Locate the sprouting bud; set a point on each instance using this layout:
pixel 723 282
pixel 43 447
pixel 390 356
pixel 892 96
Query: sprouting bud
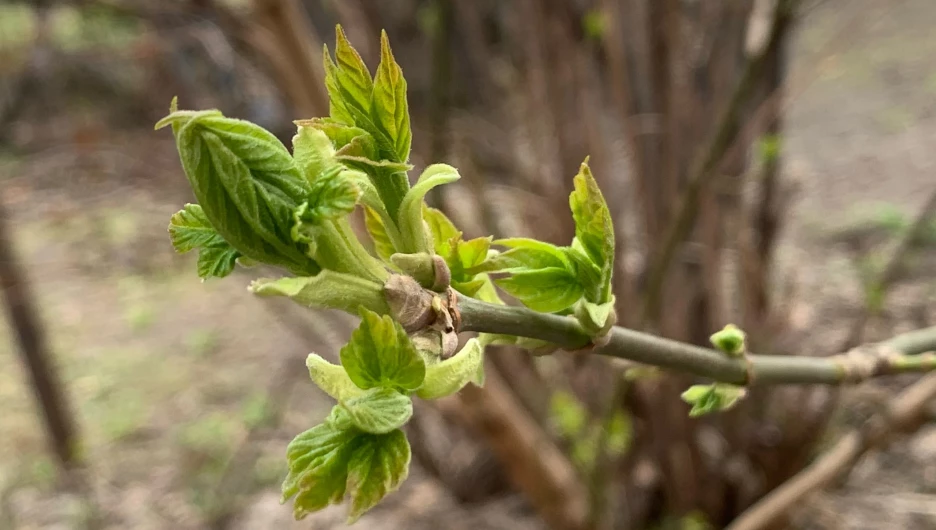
pixel 730 340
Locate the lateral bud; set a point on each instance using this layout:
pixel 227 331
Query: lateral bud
pixel 429 270
pixel 430 319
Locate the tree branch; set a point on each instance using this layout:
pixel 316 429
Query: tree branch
pixel 910 352
pixel 903 414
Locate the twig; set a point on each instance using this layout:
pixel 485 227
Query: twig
pixel 36 355
pixel 902 415
pixel 702 176
pixel 897 355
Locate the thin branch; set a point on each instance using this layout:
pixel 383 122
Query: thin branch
pixel 910 352
pixel 903 414
pixel 701 177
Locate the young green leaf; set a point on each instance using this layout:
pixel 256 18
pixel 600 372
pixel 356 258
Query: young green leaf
pixel 380 354
pixel 473 252
pixel 327 289
pixel 528 256
pixel 594 227
pixel 447 377
pixel 379 410
pixel 332 196
pixel 378 466
pixel 313 152
pixel 189 229
pixel 246 183
pixel 377 229
pixel 318 468
pixel 348 82
pixel 390 110
pixel 332 379
pixel 410 218
pixel 548 290
pixel 216 262
pixel 441 229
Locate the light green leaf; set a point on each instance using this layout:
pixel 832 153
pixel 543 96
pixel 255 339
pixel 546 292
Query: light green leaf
pixel 472 252
pixel 383 246
pixel 348 82
pixel 327 289
pixel 189 229
pixel 526 256
pixel 380 354
pixel 378 466
pixel 313 152
pixel 410 218
pixel 470 287
pixel 368 165
pixel 332 379
pixel 246 183
pixel 345 139
pixel 318 468
pixel 379 410
pixel 447 377
pixel 546 290
pixel 441 229
pixel 390 110
pixel 594 227
pixel 590 275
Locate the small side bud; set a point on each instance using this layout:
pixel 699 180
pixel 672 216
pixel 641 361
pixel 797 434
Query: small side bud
pixel 410 304
pixel 716 397
pixel 430 271
pixel 730 340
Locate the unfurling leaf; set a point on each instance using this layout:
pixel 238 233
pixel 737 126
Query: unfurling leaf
pixel 348 82
pixel 318 468
pixel 548 290
pixel 189 229
pixel 525 254
pixel 246 183
pixel 379 410
pixel 730 340
pixel 313 152
pixel 390 110
pixel 447 377
pixel 441 229
pixel 380 354
pixel 715 397
pixel 327 289
pixel 594 228
pixel 332 379
pixel 379 465
pixel 332 196
pixel 410 220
